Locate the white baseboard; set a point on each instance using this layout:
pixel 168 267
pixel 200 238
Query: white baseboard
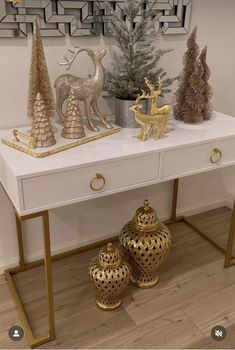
pixel 193 210
pixel 230 202
pixel 7 264
pixel 63 247
pixel 56 249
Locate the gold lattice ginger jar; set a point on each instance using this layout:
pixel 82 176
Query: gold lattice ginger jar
pixel 110 275
pixel 145 243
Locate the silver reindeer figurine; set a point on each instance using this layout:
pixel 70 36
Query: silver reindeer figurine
pixel 86 89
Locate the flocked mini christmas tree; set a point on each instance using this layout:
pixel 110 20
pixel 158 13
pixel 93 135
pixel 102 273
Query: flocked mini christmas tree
pixel 73 128
pixel 194 104
pixel 42 129
pixel 189 61
pixel 138 55
pixel 208 92
pixel 39 77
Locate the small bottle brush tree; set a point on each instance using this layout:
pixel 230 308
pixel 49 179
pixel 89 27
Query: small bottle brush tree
pixel 189 60
pixel 42 129
pixel 207 110
pixel 194 98
pixel 194 92
pixel 138 56
pixel 73 128
pixel 39 77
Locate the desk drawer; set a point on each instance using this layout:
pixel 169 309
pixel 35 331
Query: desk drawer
pixel 198 158
pixel 70 186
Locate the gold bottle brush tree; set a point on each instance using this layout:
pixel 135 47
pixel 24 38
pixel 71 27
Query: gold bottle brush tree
pixel 39 81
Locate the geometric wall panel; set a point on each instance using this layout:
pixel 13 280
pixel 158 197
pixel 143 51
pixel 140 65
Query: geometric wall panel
pixel 82 17
pixel 176 19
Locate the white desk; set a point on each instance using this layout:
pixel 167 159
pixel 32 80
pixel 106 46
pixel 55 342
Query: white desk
pixel 36 185
pixel 64 178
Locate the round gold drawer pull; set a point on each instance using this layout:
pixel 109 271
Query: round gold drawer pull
pixel 93 180
pixel 216 156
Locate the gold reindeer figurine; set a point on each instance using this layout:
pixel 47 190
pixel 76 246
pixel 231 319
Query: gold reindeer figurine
pixel 158 117
pixel 86 89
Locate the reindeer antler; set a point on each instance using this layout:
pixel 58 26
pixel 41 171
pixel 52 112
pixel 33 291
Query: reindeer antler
pixel 141 97
pixel 74 51
pixel 159 83
pixel 149 84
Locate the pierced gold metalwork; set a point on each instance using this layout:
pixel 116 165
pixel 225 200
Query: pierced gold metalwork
pixel 62 148
pixel 110 275
pixel 93 180
pixel 32 140
pixel 146 243
pixel 216 153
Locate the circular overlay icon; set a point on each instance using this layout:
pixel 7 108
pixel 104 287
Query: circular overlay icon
pixel 16 333
pixel 218 333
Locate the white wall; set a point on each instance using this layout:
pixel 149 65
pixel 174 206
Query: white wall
pixel 72 226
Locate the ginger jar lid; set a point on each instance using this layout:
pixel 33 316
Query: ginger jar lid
pixel 146 218
pixel 109 256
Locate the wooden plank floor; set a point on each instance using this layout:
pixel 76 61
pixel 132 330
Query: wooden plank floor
pixel 194 294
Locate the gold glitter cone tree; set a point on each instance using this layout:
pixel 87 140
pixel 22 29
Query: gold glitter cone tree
pixel 189 61
pixel 42 129
pixel 208 92
pixel 73 128
pixel 39 78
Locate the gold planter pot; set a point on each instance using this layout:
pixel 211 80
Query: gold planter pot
pixel 110 275
pixel 145 244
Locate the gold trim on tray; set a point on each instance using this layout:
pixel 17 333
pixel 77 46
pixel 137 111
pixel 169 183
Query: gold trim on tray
pixel 62 148
pixel 31 139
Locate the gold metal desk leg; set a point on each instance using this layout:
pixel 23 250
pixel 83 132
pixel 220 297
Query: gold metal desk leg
pixel 229 258
pixel 173 217
pixel 48 274
pixel 9 274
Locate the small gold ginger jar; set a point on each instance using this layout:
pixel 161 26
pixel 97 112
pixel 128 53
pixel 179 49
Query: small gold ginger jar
pixel 110 275
pixel 145 244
